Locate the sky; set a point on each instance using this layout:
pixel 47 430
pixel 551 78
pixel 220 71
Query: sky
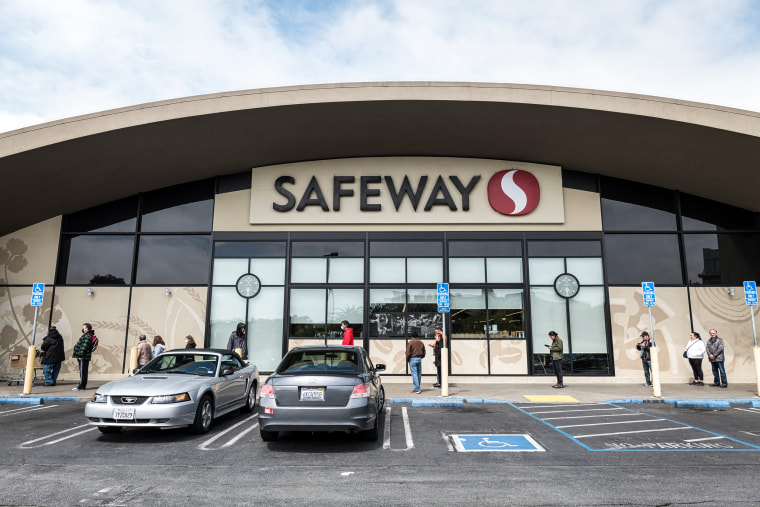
pixel 62 58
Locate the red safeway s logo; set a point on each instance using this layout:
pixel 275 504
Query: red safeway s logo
pixel 513 192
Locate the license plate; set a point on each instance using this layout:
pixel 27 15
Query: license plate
pixel 312 394
pixel 124 414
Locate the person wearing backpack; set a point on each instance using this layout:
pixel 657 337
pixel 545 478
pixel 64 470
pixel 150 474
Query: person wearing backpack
pixel 83 352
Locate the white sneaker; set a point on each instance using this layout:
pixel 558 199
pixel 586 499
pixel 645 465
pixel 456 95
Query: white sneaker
pixel 75 389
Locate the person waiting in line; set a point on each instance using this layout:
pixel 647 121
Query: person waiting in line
pixel 143 351
pixel 348 333
pixel 238 340
pixel 83 353
pixel 415 351
pixel 52 356
pixel 437 346
pixel 557 351
pixel 644 348
pixel 695 350
pixel 189 342
pixel 716 354
pixel 158 346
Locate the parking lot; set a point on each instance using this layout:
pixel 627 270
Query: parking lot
pixel 422 451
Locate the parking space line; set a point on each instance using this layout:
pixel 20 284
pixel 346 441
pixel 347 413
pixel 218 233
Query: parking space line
pixel 555 405
pixel 204 445
pixel 27 445
pixel 608 423
pixel 582 410
pixel 754 410
pixel 25 409
pixel 703 439
pixel 407 431
pixel 587 416
pixel 630 432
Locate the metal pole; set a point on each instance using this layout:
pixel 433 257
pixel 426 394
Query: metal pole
pixel 655 360
pixel 444 363
pixel 34 329
pixel 756 350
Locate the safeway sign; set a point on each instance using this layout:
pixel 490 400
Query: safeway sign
pixel 407 190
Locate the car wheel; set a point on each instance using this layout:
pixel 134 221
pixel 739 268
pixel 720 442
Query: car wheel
pixel 268 436
pixel 109 429
pixel 250 399
pixel 203 416
pixel 380 400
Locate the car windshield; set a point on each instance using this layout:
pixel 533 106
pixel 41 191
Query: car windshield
pixel 320 361
pixel 188 364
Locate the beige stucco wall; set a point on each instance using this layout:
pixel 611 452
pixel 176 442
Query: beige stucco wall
pixel 28 255
pixel 172 317
pixel 670 317
pixel 106 310
pixel 17 323
pixel 714 308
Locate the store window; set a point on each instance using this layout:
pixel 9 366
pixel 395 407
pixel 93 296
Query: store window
pixel 721 259
pixel 175 259
pixel 317 313
pixel 630 206
pixel 567 296
pixel 635 258
pixel 181 208
pixel 97 260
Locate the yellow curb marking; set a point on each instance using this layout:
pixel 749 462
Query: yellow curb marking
pixel 551 399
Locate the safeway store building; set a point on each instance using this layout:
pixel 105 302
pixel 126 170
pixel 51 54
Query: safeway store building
pixel 292 209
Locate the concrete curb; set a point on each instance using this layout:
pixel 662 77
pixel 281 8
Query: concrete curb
pixel 48 398
pixel 681 402
pixel 444 402
pixel 22 401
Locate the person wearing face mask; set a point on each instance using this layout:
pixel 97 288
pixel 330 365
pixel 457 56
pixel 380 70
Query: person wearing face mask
pixel 348 333
pixel 189 342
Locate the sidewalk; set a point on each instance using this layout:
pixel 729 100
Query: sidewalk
pixel 400 389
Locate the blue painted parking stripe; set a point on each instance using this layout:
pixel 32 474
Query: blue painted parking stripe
pixel 752 448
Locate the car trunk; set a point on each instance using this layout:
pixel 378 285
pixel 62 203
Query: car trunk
pixel 317 390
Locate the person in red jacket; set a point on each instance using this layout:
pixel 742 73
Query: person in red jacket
pixel 348 333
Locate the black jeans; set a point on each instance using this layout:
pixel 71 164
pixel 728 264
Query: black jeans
pixel 557 363
pixel 696 367
pixel 84 365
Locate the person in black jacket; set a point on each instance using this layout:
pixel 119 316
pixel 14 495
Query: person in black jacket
pixel 644 348
pixel 437 346
pixel 52 356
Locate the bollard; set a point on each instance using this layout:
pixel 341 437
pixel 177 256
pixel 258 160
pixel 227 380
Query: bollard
pixel 444 371
pixel 29 377
pixel 655 355
pixel 133 361
pixel 757 368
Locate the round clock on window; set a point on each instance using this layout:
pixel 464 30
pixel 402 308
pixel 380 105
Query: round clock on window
pixel 248 285
pixel 566 285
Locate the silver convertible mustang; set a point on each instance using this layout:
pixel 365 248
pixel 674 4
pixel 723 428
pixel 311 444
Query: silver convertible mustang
pixel 322 388
pixel 187 387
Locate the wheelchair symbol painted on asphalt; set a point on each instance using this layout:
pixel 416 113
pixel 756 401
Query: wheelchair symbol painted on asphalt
pixel 495 443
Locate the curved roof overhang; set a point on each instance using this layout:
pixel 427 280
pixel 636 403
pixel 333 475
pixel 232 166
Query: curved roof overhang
pixel 71 164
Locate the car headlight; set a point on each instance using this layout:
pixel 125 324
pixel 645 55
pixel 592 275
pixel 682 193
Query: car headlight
pixel 99 398
pixel 171 398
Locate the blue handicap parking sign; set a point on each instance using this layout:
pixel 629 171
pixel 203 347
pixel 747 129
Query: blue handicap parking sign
pixel 750 293
pixel 38 292
pixel 649 297
pixel 495 443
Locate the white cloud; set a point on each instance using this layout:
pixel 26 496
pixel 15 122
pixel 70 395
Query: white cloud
pixel 60 59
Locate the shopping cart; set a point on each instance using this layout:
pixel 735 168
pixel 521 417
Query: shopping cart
pixel 18 361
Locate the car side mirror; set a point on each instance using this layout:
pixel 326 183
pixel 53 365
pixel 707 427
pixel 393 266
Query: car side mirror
pixel 226 373
pixel 379 367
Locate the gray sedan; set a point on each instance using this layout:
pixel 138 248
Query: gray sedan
pixel 178 388
pixel 323 388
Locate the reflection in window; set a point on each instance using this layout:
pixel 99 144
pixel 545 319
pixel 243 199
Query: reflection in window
pixel 179 260
pixel 99 260
pixel 635 258
pixel 468 313
pixel 505 313
pixel 307 313
pixel 700 214
pixel 345 304
pixel 589 335
pixel 227 309
pixel 721 259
